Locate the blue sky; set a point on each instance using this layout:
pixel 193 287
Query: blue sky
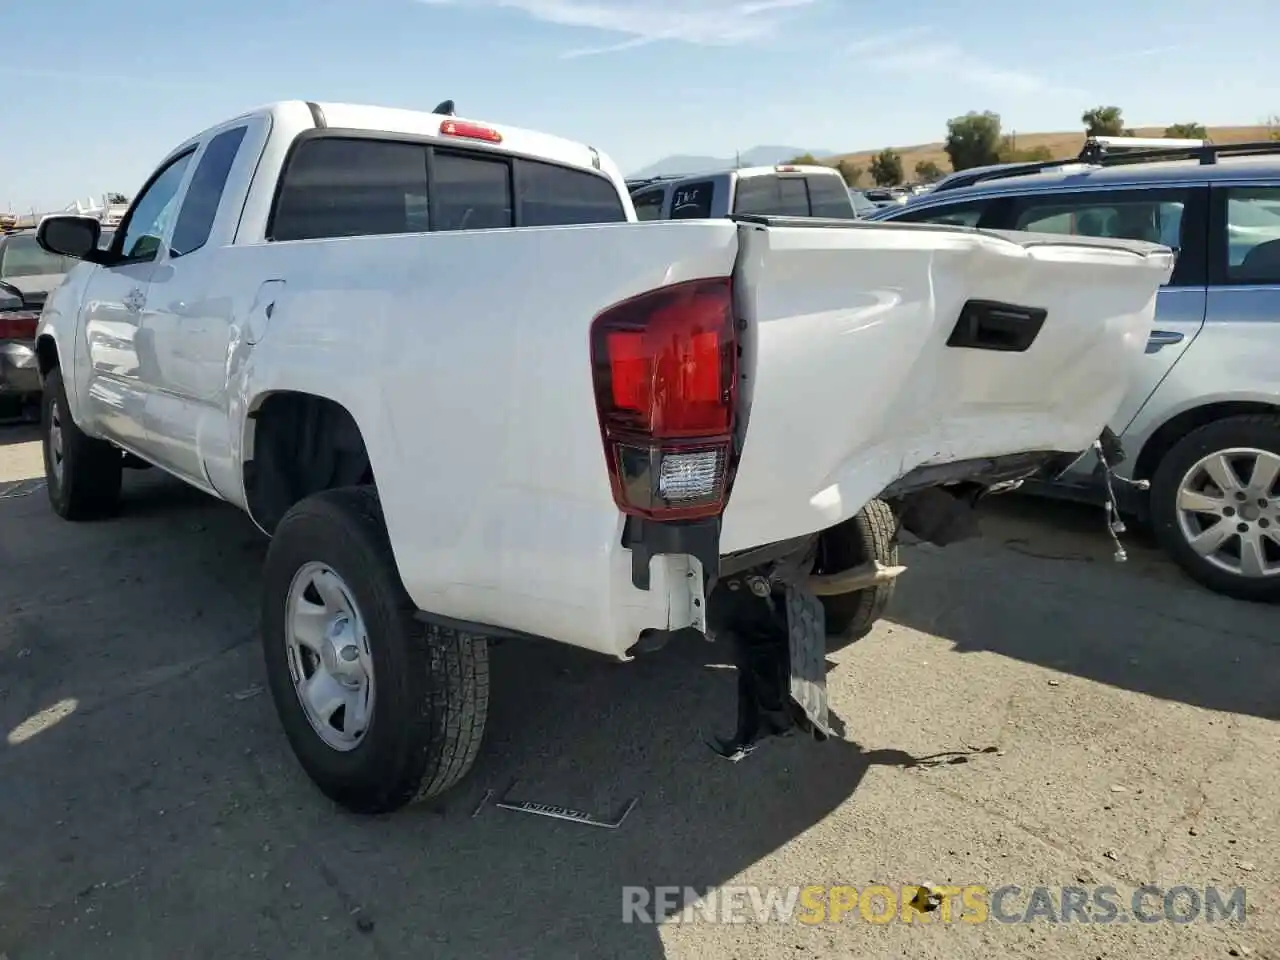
pixel 96 92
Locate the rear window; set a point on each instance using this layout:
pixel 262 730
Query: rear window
pixel 648 205
pixel 551 195
pixel 336 187
pixel 829 197
pixel 349 188
pixel 772 196
pixel 21 256
pixel 470 192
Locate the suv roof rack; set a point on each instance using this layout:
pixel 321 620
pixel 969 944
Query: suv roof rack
pixel 1098 151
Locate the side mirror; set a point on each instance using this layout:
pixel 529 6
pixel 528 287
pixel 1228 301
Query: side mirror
pixel 10 297
pixel 70 236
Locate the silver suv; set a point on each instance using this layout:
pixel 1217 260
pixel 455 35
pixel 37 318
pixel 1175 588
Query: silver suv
pixel 1201 427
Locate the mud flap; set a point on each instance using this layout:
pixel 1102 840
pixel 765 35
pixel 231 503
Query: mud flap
pixel 807 640
pixel 780 644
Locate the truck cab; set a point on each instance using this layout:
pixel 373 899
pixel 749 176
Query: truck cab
pixel 785 190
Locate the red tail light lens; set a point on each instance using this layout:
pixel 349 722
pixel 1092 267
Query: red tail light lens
pixel 18 326
pixel 665 366
pixel 471 131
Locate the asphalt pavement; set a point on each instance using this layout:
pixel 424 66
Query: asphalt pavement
pixel 1031 713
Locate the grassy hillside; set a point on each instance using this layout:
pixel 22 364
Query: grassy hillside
pixel 1059 144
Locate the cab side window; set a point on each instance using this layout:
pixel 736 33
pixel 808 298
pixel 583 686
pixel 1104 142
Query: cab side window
pixel 692 201
pixel 153 211
pixel 200 207
pixel 966 214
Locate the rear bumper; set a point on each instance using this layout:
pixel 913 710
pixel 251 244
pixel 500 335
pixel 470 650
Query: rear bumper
pixel 19 371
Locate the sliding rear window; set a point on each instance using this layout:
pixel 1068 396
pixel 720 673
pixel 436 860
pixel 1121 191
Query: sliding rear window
pixel 335 186
pixel 780 195
pixel 770 195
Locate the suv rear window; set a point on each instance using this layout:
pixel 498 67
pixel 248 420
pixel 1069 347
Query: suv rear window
pixel 21 256
pixel 345 187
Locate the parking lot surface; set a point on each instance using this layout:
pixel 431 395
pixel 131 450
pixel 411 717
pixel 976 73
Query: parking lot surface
pixel 1030 713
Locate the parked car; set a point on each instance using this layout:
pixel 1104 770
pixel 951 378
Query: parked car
pixel 28 274
pixel 467 396
pixel 862 207
pixel 786 190
pixel 887 196
pixel 1201 423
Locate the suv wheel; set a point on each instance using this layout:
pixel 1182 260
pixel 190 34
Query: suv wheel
pixel 1215 506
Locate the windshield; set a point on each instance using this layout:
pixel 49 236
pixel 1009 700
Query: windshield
pixel 20 256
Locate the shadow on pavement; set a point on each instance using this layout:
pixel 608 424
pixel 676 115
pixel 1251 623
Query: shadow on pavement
pixel 152 809
pixel 17 431
pixel 1096 621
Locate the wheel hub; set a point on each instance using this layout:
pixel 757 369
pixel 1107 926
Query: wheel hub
pixel 329 658
pixel 56 453
pixel 1228 510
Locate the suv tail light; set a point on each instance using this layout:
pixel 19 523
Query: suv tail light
pixel 665 366
pixel 18 325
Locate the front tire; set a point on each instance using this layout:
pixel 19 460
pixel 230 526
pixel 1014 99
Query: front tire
pixel 380 709
pixel 82 474
pixel 871 534
pixel 1215 506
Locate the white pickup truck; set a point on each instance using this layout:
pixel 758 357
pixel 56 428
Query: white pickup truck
pixel 468 396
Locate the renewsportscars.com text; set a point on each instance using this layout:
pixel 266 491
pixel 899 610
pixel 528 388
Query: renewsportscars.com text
pixel 968 904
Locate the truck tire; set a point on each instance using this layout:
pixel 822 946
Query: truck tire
pixel 871 534
pixel 1249 512
pixel 82 474
pixel 331 578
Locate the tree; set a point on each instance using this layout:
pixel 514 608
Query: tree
pixel 886 169
pixel 1186 131
pixel 117 198
pixel 851 172
pixel 805 159
pixel 928 171
pixel 1104 122
pixel 1010 152
pixel 973 140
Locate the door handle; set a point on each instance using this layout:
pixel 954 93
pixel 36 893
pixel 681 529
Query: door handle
pixel 1163 338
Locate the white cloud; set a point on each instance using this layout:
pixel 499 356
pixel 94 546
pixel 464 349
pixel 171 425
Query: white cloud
pixel 640 22
pixel 950 61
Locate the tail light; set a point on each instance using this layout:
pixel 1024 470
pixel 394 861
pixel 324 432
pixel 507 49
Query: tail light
pixel 18 325
pixel 665 366
pixel 469 130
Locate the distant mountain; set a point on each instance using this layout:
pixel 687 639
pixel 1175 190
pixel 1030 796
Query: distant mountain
pixel 765 156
